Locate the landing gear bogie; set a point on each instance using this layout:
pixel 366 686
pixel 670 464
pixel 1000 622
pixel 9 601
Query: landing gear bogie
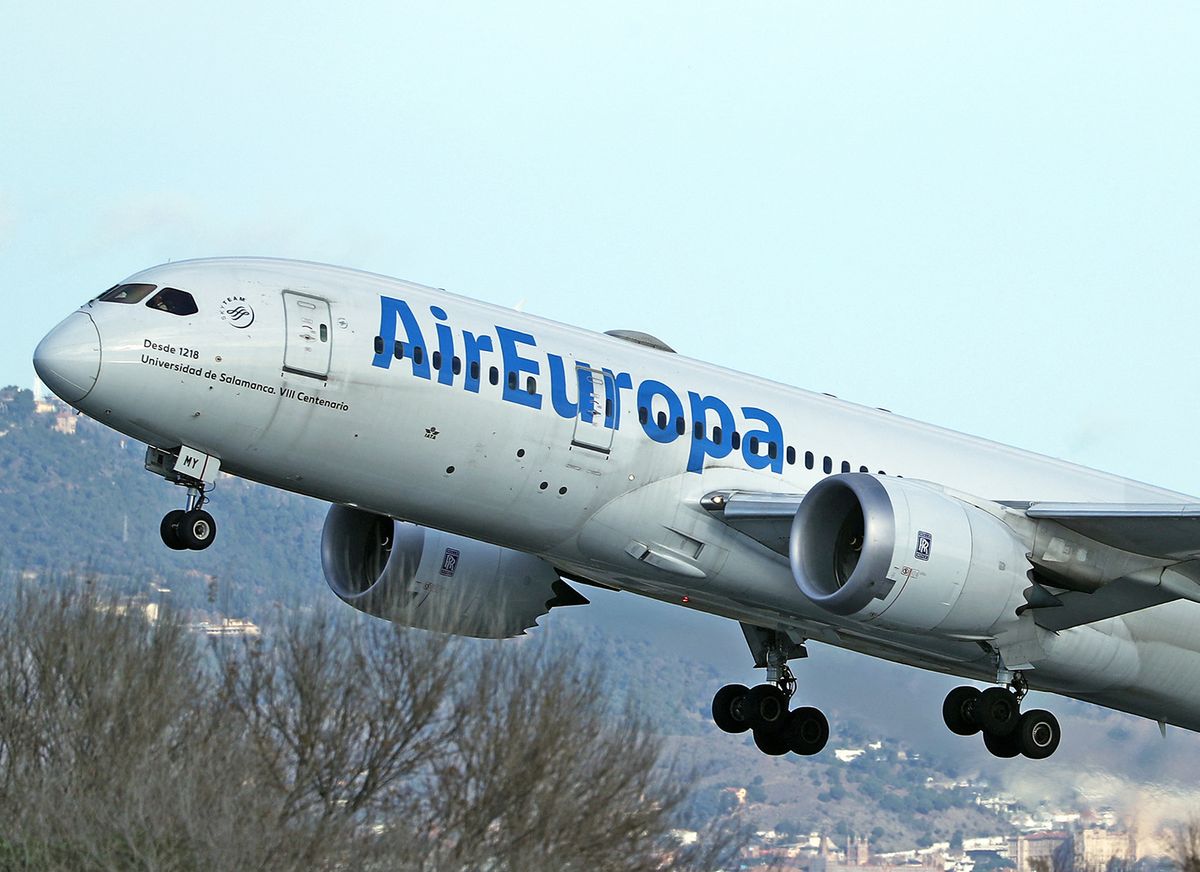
pixel 996 713
pixel 765 708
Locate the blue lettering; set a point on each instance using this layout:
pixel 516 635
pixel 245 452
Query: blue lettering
pixel 646 393
pixel 472 345
pixel 614 383
pixel 391 309
pixel 763 439
pixel 558 388
pixel 706 445
pixel 515 364
pixel 445 347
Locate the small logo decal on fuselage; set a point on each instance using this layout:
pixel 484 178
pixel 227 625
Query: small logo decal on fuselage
pixel 449 562
pixel 924 545
pixel 237 312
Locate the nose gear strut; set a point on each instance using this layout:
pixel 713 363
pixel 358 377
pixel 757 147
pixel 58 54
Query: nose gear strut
pixel 190 528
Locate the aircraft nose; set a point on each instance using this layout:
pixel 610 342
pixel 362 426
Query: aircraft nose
pixel 67 360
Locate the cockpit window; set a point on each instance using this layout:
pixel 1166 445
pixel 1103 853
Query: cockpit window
pixel 173 300
pixel 134 293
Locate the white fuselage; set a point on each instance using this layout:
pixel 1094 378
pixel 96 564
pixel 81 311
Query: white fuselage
pixel 325 408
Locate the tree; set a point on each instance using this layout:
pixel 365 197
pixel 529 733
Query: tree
pixel 339 742
pixel 1185 846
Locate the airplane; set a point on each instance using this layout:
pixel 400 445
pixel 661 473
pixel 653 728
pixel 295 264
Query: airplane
pixel 482 464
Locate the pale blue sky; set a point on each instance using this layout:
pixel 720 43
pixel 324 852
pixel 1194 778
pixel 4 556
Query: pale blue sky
pixel 986 216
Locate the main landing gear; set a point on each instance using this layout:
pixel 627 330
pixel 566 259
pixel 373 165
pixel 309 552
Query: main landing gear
pixel 996 712
pixel 764 708
pixel 190 528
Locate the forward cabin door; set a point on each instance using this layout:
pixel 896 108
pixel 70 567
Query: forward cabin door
pixel 597 391
pixel 309 335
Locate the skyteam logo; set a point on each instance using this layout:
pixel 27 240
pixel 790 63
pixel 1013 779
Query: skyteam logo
pixel 237 312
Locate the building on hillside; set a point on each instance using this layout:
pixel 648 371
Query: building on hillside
pixel 1096 846
pixel 65 422
pixel 858 851
pixel 1036 852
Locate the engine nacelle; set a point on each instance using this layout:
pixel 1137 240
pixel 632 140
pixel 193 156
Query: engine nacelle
pixel 437 581
pixel 905 555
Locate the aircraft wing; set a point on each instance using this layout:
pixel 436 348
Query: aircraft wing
pixel 1168 534
pixel 1170 531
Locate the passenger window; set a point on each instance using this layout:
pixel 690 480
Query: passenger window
pixel 418 354
pixel 174 301
pixel 324 332
pixel 698 429
pixel 791 456
pixel 379 345
pixel 809 460
pixel 662 420
pixel 863 469
pixel 608 409
pixel 512 381
pixel 827 464
pixel 845 466
pixel 494 376
pixel 772 450
pixel 436 360
pixel 456 365
pixel 475 370
pixel 133 293
pixel 736 440
pixel 680 427
pixel 531 385
pixel 643 414
pixel 398 350
pixel 754 445
pixel 717 434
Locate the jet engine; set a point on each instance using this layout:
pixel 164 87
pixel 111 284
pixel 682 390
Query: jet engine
pixel 437 581
pixel 905 555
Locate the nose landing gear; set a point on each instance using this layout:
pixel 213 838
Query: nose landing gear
pixel 190 528
pixel 996 712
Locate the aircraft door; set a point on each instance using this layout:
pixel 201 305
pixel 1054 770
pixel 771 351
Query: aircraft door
pixel 309 339
pixel 597 391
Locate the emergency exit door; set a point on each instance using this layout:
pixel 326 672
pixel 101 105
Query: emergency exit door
pixel 309 338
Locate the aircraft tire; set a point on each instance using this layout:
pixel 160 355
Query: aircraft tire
pixel 169 530
pixel 197 529
pixel 772 742
pixel 1002 746
pixel 960 711
pixel 806 731
pixel 1038 734
pixel 727 708
pixel 999 711
pixel 765 708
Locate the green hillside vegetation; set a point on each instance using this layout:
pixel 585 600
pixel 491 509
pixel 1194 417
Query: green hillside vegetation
pixel 83 502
